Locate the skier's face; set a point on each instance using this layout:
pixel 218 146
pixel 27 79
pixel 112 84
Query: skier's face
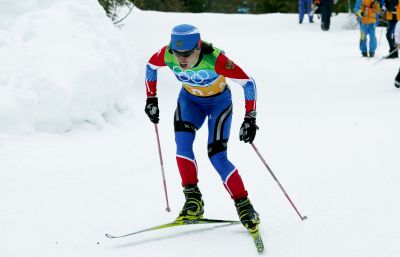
pixel 187 59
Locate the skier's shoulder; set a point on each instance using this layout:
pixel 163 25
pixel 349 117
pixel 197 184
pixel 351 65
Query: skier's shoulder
pixel 158 58
pixel 161 52
pixel 163 49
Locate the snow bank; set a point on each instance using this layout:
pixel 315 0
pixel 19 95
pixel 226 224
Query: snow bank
pixel 62 63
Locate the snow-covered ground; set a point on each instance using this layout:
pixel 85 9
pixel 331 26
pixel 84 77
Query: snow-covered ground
pixel 78 156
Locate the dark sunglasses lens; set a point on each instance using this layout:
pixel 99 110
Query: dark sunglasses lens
pixel 183 54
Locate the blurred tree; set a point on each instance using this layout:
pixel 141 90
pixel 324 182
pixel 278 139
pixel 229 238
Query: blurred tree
pixel 196 6
pixel 271 6
pixel 160 5
pixel 220 6
pixel 225 6
pixel 114 7
pixel 345 5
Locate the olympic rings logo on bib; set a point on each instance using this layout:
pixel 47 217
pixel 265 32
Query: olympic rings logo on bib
pixel 197 77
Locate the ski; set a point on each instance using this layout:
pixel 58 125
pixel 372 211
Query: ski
pixel 255 234
pixel 178 223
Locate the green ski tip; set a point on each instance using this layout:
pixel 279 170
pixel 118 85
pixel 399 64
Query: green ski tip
pixel 255 234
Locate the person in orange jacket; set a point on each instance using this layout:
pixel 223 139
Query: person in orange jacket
pixel 367 13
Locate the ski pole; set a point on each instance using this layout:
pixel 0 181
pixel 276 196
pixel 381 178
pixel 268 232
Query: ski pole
pixel 314 10
pixel 162 168
pixel 277 181
pixel 384 57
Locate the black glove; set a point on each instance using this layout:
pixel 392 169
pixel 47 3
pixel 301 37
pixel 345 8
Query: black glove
pixel 248 130
pixel 152 110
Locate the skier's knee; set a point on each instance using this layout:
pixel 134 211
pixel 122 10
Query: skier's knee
pixel 217 146
pixel 185 126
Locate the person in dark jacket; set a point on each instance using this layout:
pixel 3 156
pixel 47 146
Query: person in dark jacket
pixel 390 9
pixel 326 12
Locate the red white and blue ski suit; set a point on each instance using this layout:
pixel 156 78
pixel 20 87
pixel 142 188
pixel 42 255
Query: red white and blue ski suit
pixel 204 93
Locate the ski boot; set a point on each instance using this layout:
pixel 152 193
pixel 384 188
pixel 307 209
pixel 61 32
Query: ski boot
pixel 397 80
pixel 247 215
pixel 393 55
pixel 193 209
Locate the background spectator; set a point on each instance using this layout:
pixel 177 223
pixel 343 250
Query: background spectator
pixel 326 12
pixel 305 8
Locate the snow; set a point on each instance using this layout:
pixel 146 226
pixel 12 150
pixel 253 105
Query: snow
pixel 56 73
pixel 79 157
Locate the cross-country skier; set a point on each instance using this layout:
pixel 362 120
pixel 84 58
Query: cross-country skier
pixel 202 69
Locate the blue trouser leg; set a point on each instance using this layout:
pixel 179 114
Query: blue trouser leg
pixel 308 9
pixel 363 38
pixel 302 7
pixel 219 126
pixel 188 117
pixel 372 38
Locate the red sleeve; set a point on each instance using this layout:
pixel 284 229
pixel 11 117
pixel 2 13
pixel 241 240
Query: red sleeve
pixel 158 58
pixel 228 68
pixel 225 67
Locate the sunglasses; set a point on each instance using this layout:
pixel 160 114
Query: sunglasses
pixel 184 53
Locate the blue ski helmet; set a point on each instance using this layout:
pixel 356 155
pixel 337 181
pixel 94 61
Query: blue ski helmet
pixel 184 37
